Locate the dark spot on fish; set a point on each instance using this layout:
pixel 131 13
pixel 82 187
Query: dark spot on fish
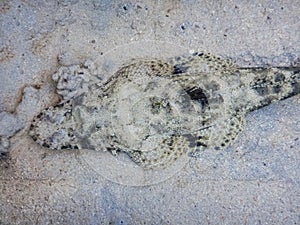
pixel 66 146
pixel 261 90
pixel 277 89
pixel 179 69
pixel 46 145
pixel 177 58
pixel 296 88
pixel 199 144
pixel 279 77
pixel 266 101
pixel 198 95
pixel 197 54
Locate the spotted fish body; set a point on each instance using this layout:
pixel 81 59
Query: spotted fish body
pixel 156 110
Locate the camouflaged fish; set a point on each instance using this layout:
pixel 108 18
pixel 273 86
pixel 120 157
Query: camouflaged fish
pixel 157 110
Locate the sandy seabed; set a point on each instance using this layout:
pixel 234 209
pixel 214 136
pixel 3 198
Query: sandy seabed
pixel 254 181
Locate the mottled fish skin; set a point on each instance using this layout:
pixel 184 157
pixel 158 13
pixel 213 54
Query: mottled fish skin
pixel 157 110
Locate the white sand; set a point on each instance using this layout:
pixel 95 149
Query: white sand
pixel 255 181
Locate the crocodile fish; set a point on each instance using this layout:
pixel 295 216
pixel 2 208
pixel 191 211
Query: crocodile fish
pixel 156 110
